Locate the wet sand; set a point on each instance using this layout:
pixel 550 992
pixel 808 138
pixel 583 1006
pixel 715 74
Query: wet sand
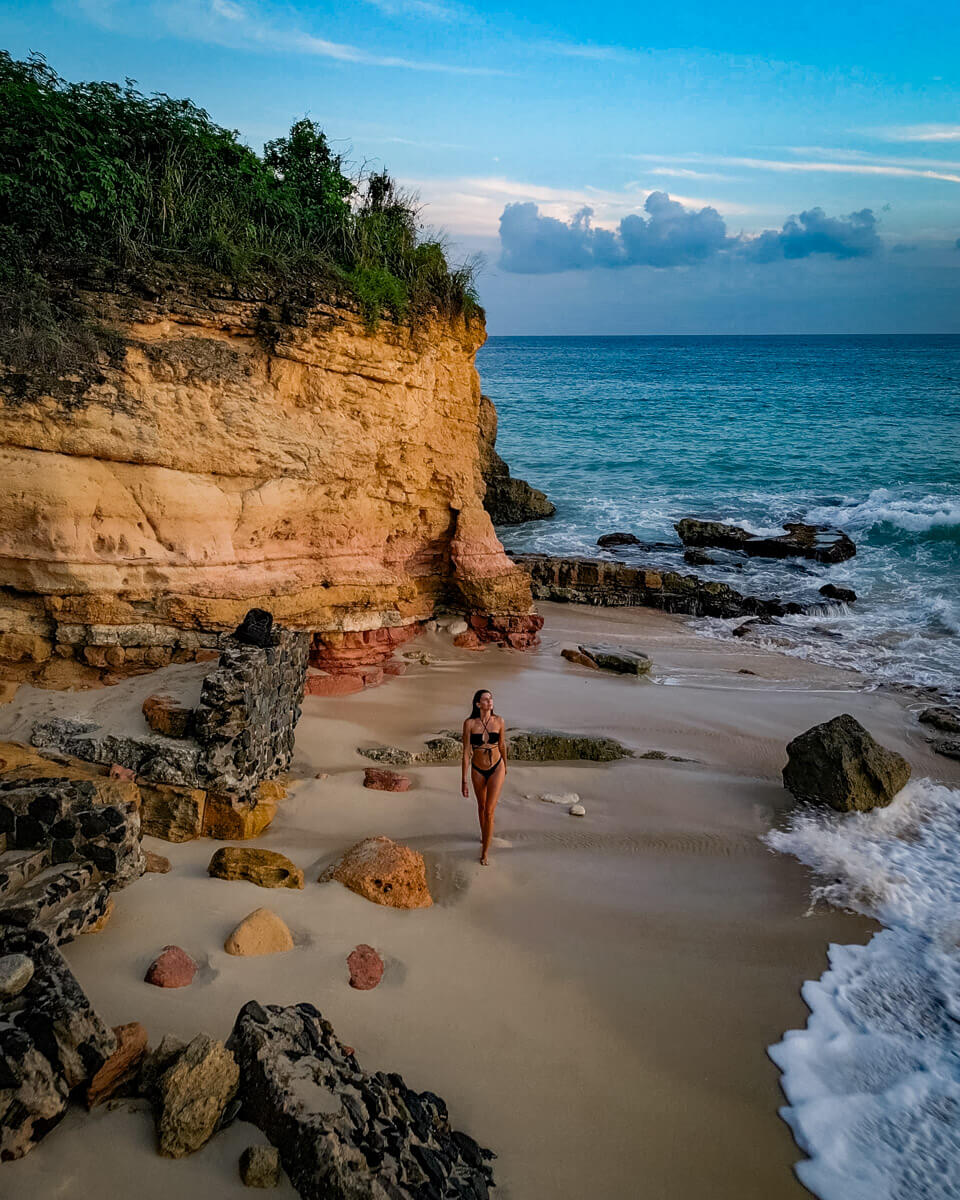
pixel 596 1004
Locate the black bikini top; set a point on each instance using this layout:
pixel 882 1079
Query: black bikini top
pixel 483 739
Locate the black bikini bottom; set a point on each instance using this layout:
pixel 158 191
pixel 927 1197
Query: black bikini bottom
pixel 486 772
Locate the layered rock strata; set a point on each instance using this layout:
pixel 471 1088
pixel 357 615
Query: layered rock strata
pixel 615 584
pixel 227 454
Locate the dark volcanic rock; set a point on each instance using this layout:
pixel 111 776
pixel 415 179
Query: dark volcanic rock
pixel 509 501
pixel 618 539
pixel 949 747
pixel 819 542
pixel 51 1041
pixel 839 764
pixel 256 629
pixel 946 719
pixel 698 558
pixel 600 581
pixel 344 1134
pixel 832 592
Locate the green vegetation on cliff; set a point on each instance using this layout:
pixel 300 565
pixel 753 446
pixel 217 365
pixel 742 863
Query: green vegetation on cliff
pixel 100 176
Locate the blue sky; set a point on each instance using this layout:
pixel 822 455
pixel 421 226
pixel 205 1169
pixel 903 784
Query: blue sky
pixel 811 151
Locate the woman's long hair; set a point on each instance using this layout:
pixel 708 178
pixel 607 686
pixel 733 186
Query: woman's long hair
pixel 475 712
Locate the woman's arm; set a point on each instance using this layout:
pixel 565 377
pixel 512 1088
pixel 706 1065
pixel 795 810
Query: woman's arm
pixel 502 736
pixel 465 785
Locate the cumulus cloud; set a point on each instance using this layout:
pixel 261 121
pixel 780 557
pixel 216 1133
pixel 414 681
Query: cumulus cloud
pixel 813 232
pixel 671 235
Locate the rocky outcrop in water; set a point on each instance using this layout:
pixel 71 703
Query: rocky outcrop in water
pixel 618 659
pixel 819 542
pixel 618 585
pixel 839 764
pixel 342 1132
pixel 508 500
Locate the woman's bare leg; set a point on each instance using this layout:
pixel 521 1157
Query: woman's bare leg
pixel 493 789
pixel 480 788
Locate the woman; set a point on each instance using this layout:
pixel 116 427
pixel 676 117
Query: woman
pixel 485 761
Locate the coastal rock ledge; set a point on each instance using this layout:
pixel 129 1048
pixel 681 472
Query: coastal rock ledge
pixel 225 455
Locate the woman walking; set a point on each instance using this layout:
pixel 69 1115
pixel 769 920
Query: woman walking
pixel 485 762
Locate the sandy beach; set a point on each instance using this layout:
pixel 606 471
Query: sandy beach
pixel 596 1004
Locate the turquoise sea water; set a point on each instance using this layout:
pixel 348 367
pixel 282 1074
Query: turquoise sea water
pixel 861 432
pixel 632 434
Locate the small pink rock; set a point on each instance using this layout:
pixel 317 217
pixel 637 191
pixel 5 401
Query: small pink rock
pixel 366 968
pixel 385 781
pixel 118 772
pixel 173 968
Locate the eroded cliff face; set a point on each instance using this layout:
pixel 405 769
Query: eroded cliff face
pixel 222 458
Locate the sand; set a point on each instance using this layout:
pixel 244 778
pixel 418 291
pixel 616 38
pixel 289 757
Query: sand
pixel 596 1004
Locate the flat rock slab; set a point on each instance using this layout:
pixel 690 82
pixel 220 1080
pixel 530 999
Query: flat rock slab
pixel 172 968
pixel 265 868
pixel 384 871
pixel 840 765
pixel 385 781
pixel 343 1133
pixel 260 932
pixel 525 745
pixel 616 658
pixel 366 968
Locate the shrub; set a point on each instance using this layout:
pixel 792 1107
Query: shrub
pixel 100 175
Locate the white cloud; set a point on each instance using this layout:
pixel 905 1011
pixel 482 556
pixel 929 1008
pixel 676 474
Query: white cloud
pixel 791 166
pixel 249 26
pixel 420 8
pixel 472 205
pixel 916 133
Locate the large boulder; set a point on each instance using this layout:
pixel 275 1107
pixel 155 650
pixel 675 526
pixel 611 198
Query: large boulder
pixel 344 1134
pixel 940 717
pixel 839 764
pixel 383 871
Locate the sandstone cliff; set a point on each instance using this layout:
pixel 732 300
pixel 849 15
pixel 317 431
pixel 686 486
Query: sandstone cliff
pixel 220 457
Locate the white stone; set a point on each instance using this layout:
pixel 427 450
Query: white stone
pixel 16 971
pixel 567 798
pixel 455 628
pixel 577 810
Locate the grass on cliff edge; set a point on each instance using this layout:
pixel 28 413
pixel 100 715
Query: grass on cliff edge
pixel 98 176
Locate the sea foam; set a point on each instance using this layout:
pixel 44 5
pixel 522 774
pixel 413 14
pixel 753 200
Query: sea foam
pixel 873 1081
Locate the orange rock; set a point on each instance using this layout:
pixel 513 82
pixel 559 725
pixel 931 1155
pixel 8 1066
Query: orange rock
pixel 383 871
pixel 229 819
pixel 265 868
pixel 319 683
pixel 121 1067
pixel 261 932
pixel 158 864
pixel 167 715
pixel 172 813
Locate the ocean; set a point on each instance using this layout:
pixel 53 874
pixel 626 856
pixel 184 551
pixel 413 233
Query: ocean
pixel 631 434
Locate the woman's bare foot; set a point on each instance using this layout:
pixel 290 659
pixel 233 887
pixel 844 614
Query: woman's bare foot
pixel 483 861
